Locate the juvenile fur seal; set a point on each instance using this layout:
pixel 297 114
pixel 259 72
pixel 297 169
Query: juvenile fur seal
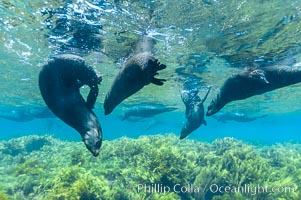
pixel 194 111
pixel 253 81
pixel 139 70
pixel 26 114
pixel 17 115
pixel 236 116
pixel 60 80
pixel 145 110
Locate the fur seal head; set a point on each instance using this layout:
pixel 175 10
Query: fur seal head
pixel 92 134
pixel 93 140
pixel 215 105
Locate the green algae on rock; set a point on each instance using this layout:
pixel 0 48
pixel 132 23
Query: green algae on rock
pixel 141 168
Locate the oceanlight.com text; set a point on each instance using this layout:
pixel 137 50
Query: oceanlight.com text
pixel 214 188
pixel 251 189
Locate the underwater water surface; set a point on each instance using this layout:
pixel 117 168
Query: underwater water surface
pixel 250 143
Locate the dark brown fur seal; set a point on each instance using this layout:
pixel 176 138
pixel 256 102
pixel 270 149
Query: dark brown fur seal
pixel 253 81
pixel 60 80
pixel 139 70
pixel 194 112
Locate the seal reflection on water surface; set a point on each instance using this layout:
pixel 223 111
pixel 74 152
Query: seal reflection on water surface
pixel 60 80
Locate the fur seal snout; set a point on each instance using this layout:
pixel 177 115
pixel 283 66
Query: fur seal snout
pixel 60 80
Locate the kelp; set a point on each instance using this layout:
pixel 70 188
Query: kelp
pixel 150 167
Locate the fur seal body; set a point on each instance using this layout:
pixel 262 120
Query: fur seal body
pixel 253 81
pixel 17 115
pixel 60 80
pixel 138 71
pixel 238 117
pixel 194 112
pixel 26 114
pixel 146 110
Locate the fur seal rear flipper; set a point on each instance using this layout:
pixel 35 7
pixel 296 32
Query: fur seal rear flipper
pixel 60 80
pixel 194 112
pixel 253 81
pixel 139 70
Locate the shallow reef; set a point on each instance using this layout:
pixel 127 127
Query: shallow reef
pixel 150 167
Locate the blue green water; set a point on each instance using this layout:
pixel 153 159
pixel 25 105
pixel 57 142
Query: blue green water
pixel 203 42
pixel 268 130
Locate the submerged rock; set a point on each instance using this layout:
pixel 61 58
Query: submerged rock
pixel 25 144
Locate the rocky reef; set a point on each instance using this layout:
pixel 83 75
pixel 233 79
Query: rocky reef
pixel 150 167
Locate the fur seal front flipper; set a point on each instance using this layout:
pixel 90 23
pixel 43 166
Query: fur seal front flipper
pixel 253 81
pixel 194 111
pixel 60 80
pixel 139 70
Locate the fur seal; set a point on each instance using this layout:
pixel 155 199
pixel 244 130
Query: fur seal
pixel 236 116
pixel 60 80
pixel 17 115
pixel 26 114
pixel 253 81
pixel 145 110
pixel 194 111
pixel 139 70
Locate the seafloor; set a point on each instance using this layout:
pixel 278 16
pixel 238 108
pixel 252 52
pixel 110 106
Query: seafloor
pixel 42 167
